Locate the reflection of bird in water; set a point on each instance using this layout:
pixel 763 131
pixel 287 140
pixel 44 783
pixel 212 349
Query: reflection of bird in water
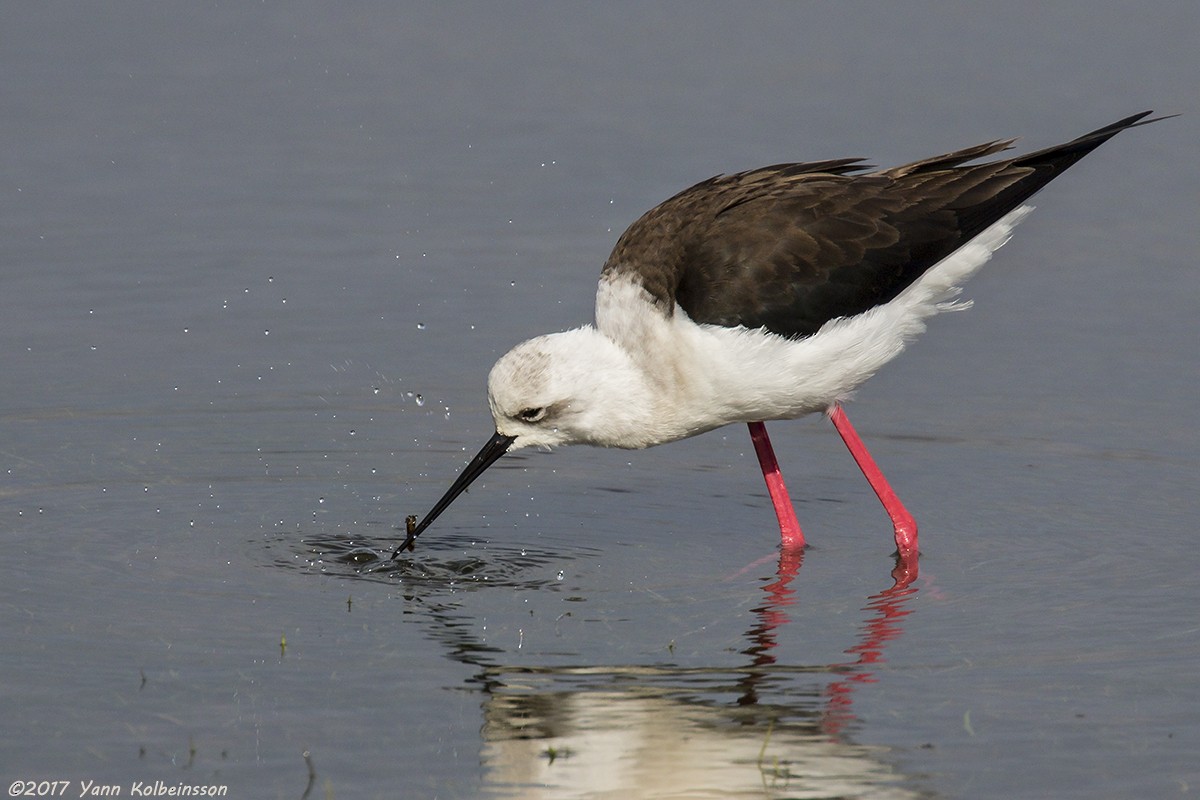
pixel 763 730
pixel 638 742
pixel 768 294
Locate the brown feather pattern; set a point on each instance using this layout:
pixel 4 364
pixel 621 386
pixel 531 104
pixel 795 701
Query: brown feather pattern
pixel 791 246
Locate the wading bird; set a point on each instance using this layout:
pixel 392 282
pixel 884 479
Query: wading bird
pixel 764 295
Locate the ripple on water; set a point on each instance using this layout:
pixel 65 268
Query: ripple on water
pixel 449 561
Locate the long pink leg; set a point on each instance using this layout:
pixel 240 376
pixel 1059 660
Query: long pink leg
pixel 790 534
pixel 905 525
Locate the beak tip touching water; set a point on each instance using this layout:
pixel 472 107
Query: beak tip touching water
pixel 496 446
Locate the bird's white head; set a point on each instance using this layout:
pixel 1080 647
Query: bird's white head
pixel 575 387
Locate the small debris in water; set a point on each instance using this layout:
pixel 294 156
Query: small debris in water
pixel 410 528
pixel 551 753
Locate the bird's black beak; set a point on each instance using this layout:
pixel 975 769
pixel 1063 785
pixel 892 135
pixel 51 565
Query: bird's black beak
pixel 495 447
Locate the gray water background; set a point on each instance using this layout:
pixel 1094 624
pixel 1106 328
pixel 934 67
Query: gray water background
pixel 256 259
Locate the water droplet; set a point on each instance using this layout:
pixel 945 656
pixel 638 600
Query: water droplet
pixel 267 332
pixel 420 400
pixel 374 390
pixel 320 500
pixel 559 576
pixel 352 431
pixel 420 326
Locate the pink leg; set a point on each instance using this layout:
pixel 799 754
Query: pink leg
pixel 905 525
pixel 790 534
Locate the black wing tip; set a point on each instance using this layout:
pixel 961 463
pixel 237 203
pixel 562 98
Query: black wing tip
pixel 1066 154
pixel 1132 121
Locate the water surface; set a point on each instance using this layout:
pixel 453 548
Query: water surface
pixel 256 262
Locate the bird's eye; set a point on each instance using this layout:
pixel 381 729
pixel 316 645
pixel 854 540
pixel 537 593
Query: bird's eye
pixel 532 414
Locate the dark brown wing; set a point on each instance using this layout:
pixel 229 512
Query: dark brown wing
pixel 792 246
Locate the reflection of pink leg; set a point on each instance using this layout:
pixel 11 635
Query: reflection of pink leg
pixel 905 525
pixel 886 624
pixel 789 527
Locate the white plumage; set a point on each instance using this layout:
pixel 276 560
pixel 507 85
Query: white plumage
pixel 639 378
